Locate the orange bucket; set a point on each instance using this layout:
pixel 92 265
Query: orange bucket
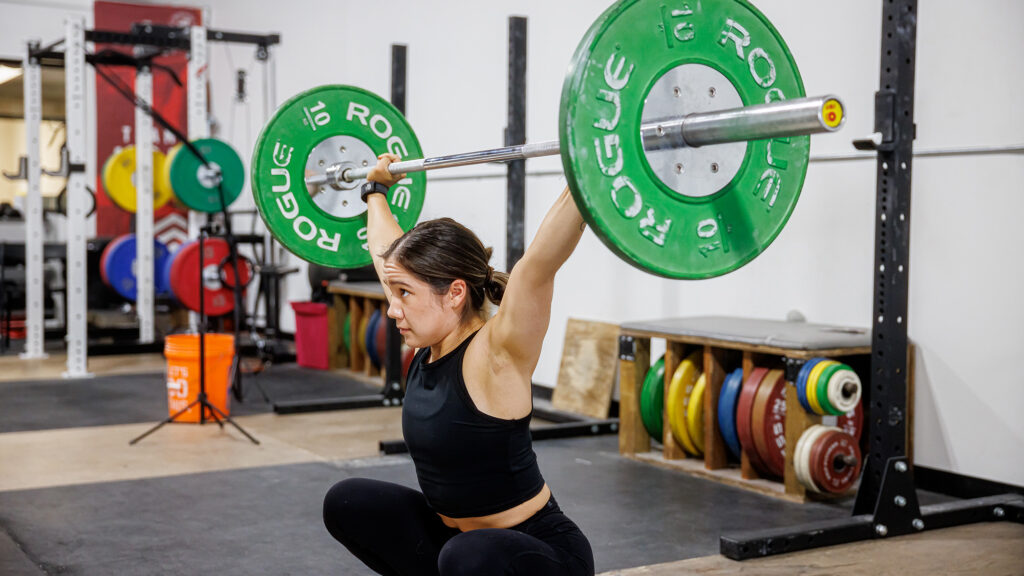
pixel 182 352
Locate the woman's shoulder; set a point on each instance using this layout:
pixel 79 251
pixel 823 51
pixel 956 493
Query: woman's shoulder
pixel 498 384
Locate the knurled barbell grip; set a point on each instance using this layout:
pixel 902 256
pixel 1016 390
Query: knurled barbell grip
pixel 797 117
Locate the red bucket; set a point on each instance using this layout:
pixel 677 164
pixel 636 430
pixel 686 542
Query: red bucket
pixel 311 349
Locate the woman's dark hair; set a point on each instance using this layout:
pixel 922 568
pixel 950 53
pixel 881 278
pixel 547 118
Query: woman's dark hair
pixel 441 251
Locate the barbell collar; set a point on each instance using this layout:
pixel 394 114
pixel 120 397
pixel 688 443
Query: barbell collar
pixel 783 119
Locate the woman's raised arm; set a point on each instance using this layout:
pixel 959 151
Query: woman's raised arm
pixel 522 319
pixel 381 228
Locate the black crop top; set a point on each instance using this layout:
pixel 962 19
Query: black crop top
pixel 468 463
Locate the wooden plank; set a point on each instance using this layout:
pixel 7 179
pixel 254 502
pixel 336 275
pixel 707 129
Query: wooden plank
pixel 674 354
pixel 371 290
pixel 357 359
pixel 774 350
pixel 633 437
pixel 731 476
pixel 757 331
pixel 747 470
pixel 797 421
pixel 586 375
pixel 716 454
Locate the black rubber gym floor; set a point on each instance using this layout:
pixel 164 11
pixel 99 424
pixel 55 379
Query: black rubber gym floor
pixel 268 520
pixel 129 399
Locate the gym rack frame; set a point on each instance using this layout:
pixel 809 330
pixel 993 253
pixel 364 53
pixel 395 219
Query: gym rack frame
pixel 886 503
pixel 192 40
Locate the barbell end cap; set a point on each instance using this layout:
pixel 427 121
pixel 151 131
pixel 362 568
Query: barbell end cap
pixel 832 113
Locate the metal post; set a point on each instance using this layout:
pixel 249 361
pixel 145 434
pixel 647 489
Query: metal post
pixel 393 348
pixel 144 300
pixel 77 204
pixel 515 133
pixel 34 231
pixel 198 126
pixel 269 107
pixel 202 333
pixel 399 58
pixel 197 77
pixel 894 119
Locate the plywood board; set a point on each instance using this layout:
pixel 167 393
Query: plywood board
pixel 587 373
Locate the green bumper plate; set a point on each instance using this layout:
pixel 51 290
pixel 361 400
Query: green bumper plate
pixel 195 185
pixel 639 217
pixel 305 128
pixel 652 399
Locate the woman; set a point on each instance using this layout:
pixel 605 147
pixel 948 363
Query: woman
pixel 485 508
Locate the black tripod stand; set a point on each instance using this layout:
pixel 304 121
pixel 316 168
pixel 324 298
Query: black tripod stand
pixel 240 314
pixel 216 414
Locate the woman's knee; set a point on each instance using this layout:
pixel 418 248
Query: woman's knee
pixel 464 555
pixel 346 505
pixel 491 551
pixel 361 505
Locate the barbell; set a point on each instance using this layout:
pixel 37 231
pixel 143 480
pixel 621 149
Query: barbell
pixel 775 120
pixel 683 133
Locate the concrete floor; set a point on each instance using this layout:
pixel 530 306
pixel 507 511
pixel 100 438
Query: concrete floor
pixel 189 498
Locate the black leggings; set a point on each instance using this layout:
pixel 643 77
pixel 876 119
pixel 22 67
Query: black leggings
pixel 394 531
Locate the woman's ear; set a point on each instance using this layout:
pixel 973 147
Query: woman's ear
pixel 457 292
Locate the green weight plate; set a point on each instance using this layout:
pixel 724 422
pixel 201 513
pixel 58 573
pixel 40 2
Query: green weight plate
pixel 195 185
pixel 652 399
pixel 844 390
pixel 821 393
pixel 685 213
pixel 318 128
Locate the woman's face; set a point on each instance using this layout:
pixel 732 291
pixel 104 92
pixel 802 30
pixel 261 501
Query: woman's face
pixel 423 317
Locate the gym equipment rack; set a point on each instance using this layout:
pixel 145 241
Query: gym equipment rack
pixel 886 502
pixel 156 38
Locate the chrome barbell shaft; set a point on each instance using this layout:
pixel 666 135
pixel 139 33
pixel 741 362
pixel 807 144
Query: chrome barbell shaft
pixel 764 121
pixel 797 117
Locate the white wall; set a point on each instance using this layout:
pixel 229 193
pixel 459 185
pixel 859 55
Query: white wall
pixel 965 314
